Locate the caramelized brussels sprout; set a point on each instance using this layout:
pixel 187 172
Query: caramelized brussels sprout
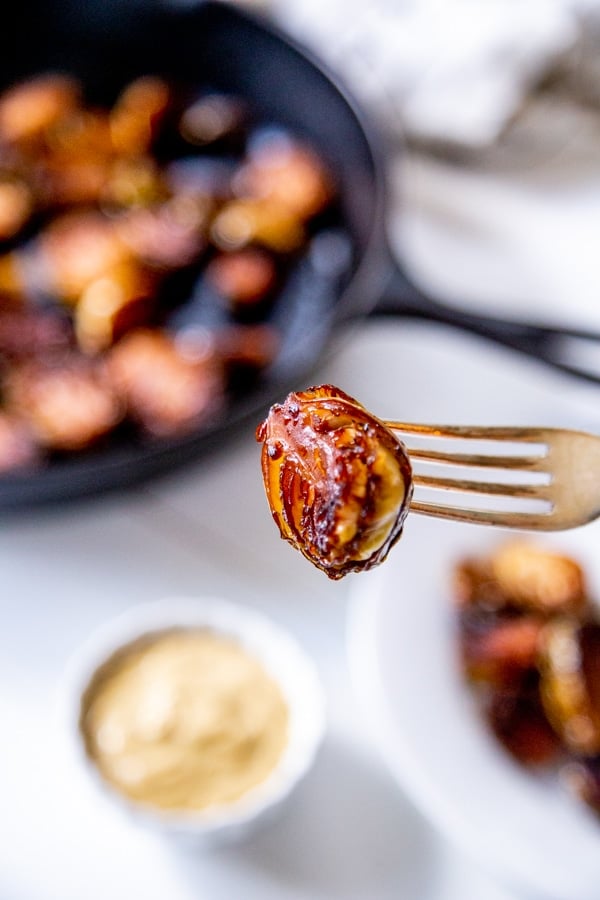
pixel 13 284
pixel 244 278
pixel 570 683
pixel 131 183
pixel 67 407
pixel 169 235
pixel 497 649
pixel 263 222
pixel 473 586
pixel 338 481
pixel 516 716
pixel 170 387
pixel 76 249
pixel 138 113
pixel 282 171
pixel 82 134
pixel 522 576
pixel 29 109
pixel 80 182
pixel 529 641
pixel 247 346
pixel 212 118
pixel 76 161
pixel 536 578
pixel 117 301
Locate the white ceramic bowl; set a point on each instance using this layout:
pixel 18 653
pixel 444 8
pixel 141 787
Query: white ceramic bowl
pixel 281 657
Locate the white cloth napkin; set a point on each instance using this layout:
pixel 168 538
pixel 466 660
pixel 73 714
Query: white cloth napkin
pixel 452 71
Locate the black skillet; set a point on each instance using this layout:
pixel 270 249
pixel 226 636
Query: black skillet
pixel 349 275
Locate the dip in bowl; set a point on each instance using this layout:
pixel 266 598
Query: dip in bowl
pixel 197 716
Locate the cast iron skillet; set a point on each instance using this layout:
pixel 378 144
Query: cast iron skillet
pixel 110 42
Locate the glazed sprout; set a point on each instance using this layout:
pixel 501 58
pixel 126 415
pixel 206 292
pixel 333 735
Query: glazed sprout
pixel 523 577
pixel 66 407
pixel 496 648
pixel 338 481
pixel 534 578
pixel 186 387
pixel 570 682
pixel 516 716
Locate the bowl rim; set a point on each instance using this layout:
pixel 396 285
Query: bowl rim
pixel 280 654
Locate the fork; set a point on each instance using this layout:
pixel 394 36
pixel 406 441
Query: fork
pixel 553 470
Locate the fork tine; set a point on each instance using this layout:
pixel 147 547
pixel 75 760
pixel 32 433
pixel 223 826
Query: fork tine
pixel 481 433
pixel 526 521
pixel 525 491
pixel 569 492
pixel 481 461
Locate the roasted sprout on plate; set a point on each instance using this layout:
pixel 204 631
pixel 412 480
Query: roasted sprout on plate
pixel 529 645
pixel 114 220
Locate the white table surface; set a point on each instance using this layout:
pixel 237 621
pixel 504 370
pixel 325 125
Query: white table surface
pixel 350 833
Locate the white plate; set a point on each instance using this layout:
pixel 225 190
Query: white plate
pixel 523 828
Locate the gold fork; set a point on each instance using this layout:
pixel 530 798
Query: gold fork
pixel 552 474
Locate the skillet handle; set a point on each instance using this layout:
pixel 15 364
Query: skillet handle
pixel 571 350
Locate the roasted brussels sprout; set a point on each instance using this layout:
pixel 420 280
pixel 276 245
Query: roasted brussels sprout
pixel 535 578
pixel 75 250
pixel 26 334
pixel 523 576
pixel 282 171
pixel 338 481
pixel 169 235
pixel 529 643
pixel 516 716
pixel 66 407
pixel 243 278
pixel 29 109
pixel 570 684
pixel 122 298
pixel 247 346
pixel 497 649
pixel 213 118
pixel 137 115
pixel 169 386
pixel 16 206
pixel 269 224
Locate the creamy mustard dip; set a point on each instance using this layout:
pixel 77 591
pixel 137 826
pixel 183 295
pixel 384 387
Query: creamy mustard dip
pixel 184 721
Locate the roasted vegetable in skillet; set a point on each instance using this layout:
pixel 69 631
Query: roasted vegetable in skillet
pixel 109 218
pixel 570 683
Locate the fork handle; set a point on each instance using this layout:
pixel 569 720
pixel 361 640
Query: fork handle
pixel 566 349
